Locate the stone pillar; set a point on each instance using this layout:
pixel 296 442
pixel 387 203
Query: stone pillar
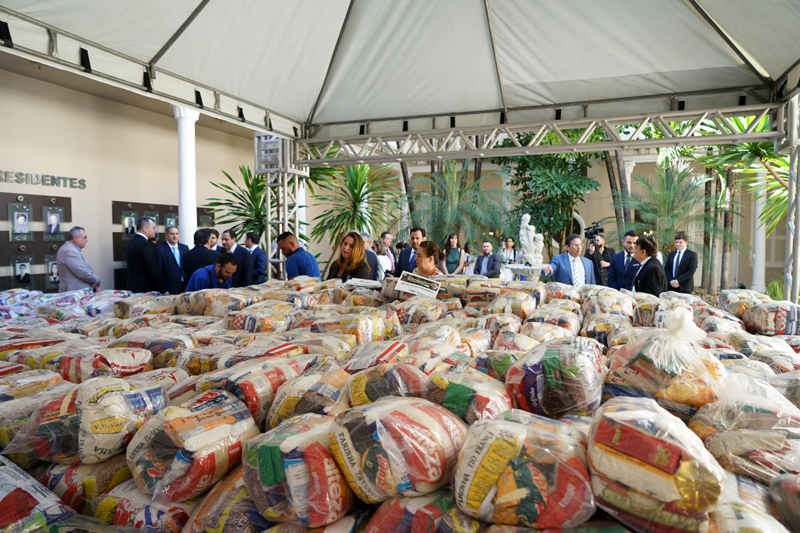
pixel 187 173
pixel 629 166
pixel 759 237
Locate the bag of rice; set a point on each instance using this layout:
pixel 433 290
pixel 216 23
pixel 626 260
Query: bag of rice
pixel 514 302
pixel 380 381
pixel 432 513
pixel 523 471
pixel 85 363
pixel 365 328
pixel 419 310
pixel 477 340
pixel 543 332
pixel 396 446
pixel 375 353
pixel 737 301
pixel 126 505
pixel 437 357
pixel 291 475
pixel 498 322
pixel 649 470
pixel 508 341
pixel 557 316
pixel 166 378
pixel 184 450
pixel 779 362
pixel 484 289
pixel 773 318
pixel 23 384
pixel 329 345
pixel 158 341
pixel 600 326
pixel 78 484
pixel 25 504
pixel 467 393
pixel 140 305
pixel 559 377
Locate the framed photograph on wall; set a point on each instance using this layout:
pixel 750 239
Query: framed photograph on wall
pixel 204 221
pixel 128 224
pixel 170 219
pixel 52 278
pixel 21 271
pixel 20 217
pixel 53 217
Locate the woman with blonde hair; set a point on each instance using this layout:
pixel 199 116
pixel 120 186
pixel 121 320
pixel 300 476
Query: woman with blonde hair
pixel 352 261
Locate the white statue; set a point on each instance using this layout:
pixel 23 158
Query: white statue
pixel 538 246
pixel 527 236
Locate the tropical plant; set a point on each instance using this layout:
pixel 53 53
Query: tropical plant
pixel 360 197
pixel 675 203
pixel 444 205
pixel 775 289
pixel 244 209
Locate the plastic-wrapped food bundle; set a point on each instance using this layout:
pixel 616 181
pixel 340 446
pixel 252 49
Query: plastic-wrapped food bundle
pixel 563 318
pixel 434 512
pixel 37 358
pixel 437 357
pixel 212 302
pixel 216 356
pixel 396 446
pixel 139 305
pixel 600 326
pixel 452 286
pixel 13 345
pixel 644 314
pixel 484 290
pixel 375 353
pixel 291 475
pixel 380 381
pixel 748 343
pixel 543 332
pixel 418 310
pixel 773 318
pixel 715 323
pixel 78 484
pixel 523 471
pixel 317 390
pixel 158 341
pixel 166 378
pixel 228 506
pixel 498 322
pixel 389 316
pixel 431 335
pixel 724 354
pixel 514 302
pixel 509 341
pixel 365 328
pixel 792 340
pixel 752 430
pixel 27 324
pixel 623 335
pixel 59 312
pixel 467 393
pixel 25 504
pixel 365 297
pixel 84 524
pixel 102 303
pixel 608 301
pixel 86 363
pixel 23 384
pixel 478 340
pixel 559 377
pixel 664 364
pixel 304 283
pixel 778 361
pixel 788 384
pixel 185 450
pixel 330 345
pixel 259 319
pixel 703 311
pixel 562 291
pixel 298 299
pixel 737 301
pixel 126 505
pixel 785 491
pixel 649 470
pixel 754 369
pixel 495 363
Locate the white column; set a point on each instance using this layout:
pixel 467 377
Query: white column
pixel 187 173
pixel 629 166
pixel 759 237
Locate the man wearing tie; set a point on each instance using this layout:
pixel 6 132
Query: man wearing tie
pixel 386 239
pixel 571 268
pixel 170 261
pixel 407 261
pixel 623 265
pixel 681 266
pixel 258 255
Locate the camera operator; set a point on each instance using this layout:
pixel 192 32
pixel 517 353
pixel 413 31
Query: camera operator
pixel 600 255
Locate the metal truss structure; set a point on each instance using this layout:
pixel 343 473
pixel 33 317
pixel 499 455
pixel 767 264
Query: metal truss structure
pixel 791 271
pixel 274 159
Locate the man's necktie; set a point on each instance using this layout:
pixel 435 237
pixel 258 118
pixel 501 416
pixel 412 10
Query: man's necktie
pixel 675 266
pixel 578 278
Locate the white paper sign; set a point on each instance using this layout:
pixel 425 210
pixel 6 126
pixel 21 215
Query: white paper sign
pixel 418 285
pixel 357 283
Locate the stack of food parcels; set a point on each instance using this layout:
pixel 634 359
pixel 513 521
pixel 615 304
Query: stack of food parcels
pixel 496 407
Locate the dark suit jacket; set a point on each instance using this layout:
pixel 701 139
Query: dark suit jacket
pixel 197 258
pixel 53 229
pixel 686 269
pixel 24 279
pixel 372 261
pixel 404 263
pixel 651 278
pixel 244 268
pixel 259 257
pixel 170 270
pixel 143 272
pixel 492 270
pixel 130 230
pixel 618 276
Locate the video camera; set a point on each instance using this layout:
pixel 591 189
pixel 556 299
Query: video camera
pixel 594 230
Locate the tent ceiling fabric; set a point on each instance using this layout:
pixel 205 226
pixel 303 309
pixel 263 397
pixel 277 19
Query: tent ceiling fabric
pixel 399 59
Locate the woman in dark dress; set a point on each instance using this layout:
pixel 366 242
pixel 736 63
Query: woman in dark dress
pixel 352 261
pixel 651 277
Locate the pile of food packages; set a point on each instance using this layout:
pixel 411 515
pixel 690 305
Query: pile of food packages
pixel 311 406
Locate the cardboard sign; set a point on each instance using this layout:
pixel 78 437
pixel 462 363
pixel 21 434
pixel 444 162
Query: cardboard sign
pixel 417 285
pixel 357 283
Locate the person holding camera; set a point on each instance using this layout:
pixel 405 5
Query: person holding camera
pixel 600 255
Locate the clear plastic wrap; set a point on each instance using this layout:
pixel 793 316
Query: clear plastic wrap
pixel 779 362
pixel 748 343
pixel 217 356
pixel 623 335
pixel 649 470
pixel 166 378
pixel 126 505
pixel 484 289
pixel 431 335
pixel 396 446
pixel 259 319
pixel 184 450
pixel 143 304
pixel 557 316
pixel 381 381
pixel 375 353
pixel 84 524
pixel 228 507
pixel 292 476
pixel 788 384
pixel 88 424
pixel 389 316
pixel 329 345
pixel 78 484
pixel 213 302
pixel 714 323
pixel 26 343
pixel 102 303
pixel 559 377
pixel 508 341
pixel 318 390
pixel 432 513
pixel 607 301
pixel 478 340
pixel 23 384
pixel 543 332
pixel 157 341
pixel 752 430
pixel 600 326
pixel 59 312
pixel 523 470
pixel 785 492
pixel 437 357
pixel 36 358
pixel 83 364
pixel 467 393
pixel 754 369
pixel 495 363
pixel 25 504
pixel 452 286
pixel 498 322
pixel 419 310
pixel 773 318
pixel 562 291
pixel 365 328
pixel 737 301
pixel 514 302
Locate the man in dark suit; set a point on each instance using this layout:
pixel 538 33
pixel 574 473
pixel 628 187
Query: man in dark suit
pixel 53 225
pixel 23 278
pixel 407 260
pixel 623 265
pixel 650 278
pixel 200 256
pixel 258 255
pixel 487 264
pixel 244 263
pixel 681 266
pixel 170 255
pixel 140 255
pixel 214 244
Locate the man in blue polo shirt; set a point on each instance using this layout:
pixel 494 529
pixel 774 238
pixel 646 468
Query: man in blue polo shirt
pixel 298 261
pixel 216 276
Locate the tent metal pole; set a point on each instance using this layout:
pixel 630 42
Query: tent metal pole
pixel 175 36
pixel 494 54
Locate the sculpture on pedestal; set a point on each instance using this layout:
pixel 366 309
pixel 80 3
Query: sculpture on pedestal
pixel 531 243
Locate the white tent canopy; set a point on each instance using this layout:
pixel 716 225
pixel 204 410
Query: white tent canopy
pixel 328 67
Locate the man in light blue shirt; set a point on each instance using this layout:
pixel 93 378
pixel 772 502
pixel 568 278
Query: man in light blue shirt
pixel 298 261
pixel 217 276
